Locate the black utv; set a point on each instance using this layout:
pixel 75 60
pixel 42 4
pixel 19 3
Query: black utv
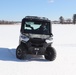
pixel 36 38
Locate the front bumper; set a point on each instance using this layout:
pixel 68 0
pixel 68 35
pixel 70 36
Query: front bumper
pixel 37 49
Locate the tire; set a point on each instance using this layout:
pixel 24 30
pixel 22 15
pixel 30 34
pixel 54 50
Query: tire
pixel 20 52
pixel 50 54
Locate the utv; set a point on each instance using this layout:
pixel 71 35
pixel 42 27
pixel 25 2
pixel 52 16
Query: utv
pixel 36 38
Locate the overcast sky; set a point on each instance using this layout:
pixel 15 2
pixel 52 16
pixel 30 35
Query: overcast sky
pixel 53 9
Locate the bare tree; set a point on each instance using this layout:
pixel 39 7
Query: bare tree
pixel 74 18
pixel 61 19
pixel 68 21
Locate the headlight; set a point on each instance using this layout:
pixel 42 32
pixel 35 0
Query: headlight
pixel 23 38
pixel 49 40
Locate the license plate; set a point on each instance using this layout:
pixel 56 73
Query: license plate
pixel 36 49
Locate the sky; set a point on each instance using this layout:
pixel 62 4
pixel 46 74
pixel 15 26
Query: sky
pixel 17 9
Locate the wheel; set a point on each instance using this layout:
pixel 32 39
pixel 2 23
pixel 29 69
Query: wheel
pixel 50 54
pixel 20 52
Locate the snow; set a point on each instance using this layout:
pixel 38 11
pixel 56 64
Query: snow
pixel 64 43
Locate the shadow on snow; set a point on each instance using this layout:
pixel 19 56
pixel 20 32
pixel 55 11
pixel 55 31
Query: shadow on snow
pixel 7 54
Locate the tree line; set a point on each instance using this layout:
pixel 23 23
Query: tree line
pixel 8 22
pixel 68 21
pixel 60 21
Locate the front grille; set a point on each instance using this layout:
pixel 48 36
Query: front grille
pixel 37 42
pixel 37 45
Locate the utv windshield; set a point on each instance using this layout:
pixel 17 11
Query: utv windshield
pixel 36 27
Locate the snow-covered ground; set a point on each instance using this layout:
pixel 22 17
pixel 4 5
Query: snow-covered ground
pixel 64 43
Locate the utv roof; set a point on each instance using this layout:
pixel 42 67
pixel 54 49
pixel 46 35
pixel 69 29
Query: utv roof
pixel 36 18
